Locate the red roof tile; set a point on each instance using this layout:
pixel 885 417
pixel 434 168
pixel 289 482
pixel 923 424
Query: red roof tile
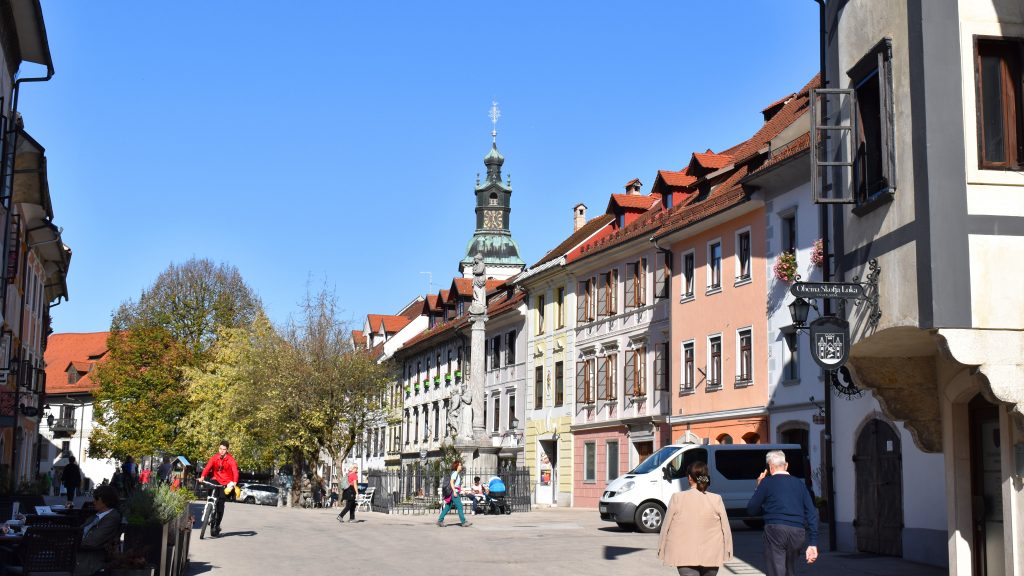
pixel 631 202
pixel 393 324
pixel 432 301
pixel 463 286
pixel 681 178
pixel 81 350
pixel 358 338
pixel 414 309
pixel 712 161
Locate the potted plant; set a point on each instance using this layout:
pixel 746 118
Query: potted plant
pixel 408 390
pixel 458 374
pixel 154 515
pixel 785 267
pixel 818 253
pixel 448 378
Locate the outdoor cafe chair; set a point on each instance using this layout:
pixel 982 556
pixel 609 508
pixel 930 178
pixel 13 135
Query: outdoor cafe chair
pixel 48 550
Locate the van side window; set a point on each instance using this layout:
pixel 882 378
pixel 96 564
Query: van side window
pixel 681 463
pixel 740 464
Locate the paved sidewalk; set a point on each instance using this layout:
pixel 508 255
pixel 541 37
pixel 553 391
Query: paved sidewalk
pixel 265 540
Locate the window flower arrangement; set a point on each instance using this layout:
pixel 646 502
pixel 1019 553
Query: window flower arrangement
pixel 818 253
pixel 785 267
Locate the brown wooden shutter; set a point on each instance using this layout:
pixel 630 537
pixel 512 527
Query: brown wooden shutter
pixel 581 302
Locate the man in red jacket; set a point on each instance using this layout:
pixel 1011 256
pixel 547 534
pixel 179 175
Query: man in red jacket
pixel 225 473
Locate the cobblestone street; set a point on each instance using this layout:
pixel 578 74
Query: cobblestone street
pixel 266 540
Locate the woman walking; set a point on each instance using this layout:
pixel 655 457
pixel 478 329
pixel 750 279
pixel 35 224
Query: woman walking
pixel 695 536
pixel 454 497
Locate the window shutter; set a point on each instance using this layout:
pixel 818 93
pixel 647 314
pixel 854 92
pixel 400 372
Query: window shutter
pixel 659 275
pixel 613 381
pixel 631 374
pixel 641 299
pixel 581 382
pixel 613 292
pixel 660 377
pixel 581 302
pixel 602 378
pixel 641 371
pixel 602 294
pixel 630 287
pixel 833 145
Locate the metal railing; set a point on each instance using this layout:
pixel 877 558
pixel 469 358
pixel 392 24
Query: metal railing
pixel 64 425
pixel 415 490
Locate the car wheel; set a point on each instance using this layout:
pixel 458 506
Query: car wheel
pixel 249 500
pixel 649 516
pixel 625 527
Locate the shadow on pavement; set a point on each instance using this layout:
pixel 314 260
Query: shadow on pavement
pixel 238 533
pixel 613 552
pixel 612 529
pixel 198 568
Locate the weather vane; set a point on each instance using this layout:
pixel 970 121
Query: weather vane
pixel 494 114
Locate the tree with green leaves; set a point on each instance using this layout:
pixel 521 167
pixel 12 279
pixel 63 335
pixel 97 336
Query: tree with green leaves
pixel 173 326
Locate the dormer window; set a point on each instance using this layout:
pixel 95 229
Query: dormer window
pixel 73 375
pixel 620 220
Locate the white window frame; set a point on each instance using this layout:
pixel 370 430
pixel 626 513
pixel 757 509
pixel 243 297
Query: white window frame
pixel 718 386
pixel 683 294
pixel 739 278
pixel 739 356
pixel 683 388
pixel 711 288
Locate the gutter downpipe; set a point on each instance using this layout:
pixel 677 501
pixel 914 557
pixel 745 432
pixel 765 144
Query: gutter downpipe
pixel 826 273
pixel 7 200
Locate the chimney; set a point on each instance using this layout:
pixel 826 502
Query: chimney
pixel 633 187
pixel 579 216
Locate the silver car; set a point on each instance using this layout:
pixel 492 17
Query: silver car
pixel 259 494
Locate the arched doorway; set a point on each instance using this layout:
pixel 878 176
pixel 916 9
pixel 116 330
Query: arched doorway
pixel 879 475
pixel 986 488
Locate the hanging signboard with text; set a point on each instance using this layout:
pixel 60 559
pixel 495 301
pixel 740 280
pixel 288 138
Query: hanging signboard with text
pixel 830 342
pixel 845 290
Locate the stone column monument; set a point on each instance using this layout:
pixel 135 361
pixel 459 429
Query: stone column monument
pixel 478 318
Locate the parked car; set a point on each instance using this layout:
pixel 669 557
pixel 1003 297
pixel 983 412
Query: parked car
pixel 259 494
pixel 639 497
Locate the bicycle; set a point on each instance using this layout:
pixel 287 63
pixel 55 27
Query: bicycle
pixel 209 507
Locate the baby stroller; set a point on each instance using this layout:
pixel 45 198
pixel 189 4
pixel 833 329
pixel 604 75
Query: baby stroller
pixel 496 504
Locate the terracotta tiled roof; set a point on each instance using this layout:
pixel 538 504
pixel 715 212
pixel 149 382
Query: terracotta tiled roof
pixel 778 103
pixel 80 350
pixel 631 202
pixel 496 305
pixel 432 301
pixel 374 321
pixel 711 161
pixel 493 284
pixel 801 144
pixel 463 286
pixel 721 194
pixel 576 238
pixel 393 324
pixel 358 338
pixel 681 178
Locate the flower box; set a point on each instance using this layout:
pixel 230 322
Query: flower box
pixel 785 267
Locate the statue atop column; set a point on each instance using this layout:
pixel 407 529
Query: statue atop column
pixel 460 397
pixel 479 305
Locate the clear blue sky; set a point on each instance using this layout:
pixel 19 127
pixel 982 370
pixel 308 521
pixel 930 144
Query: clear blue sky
pixel 338 142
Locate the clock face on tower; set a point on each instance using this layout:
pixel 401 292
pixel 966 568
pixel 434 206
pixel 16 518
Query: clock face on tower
pixel 492 219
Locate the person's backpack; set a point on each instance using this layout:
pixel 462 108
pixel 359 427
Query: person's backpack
pixel 446 491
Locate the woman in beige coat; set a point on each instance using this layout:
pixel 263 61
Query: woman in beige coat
pixel 695 536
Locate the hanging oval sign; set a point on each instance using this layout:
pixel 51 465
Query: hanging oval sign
pixel 830 342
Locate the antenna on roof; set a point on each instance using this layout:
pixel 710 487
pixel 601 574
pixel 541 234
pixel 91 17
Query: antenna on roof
pixel 430 282
pixel 494 115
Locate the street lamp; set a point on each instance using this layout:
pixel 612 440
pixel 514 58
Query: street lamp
pixel 798 310
pixel 513 431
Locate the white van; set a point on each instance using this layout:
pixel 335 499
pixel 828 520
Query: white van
pixel 639 497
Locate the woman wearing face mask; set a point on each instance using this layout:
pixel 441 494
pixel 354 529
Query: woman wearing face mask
pixel 695 537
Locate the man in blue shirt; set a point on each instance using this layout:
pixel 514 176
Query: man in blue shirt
pixel 790 517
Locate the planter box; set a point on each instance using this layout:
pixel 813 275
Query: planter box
pixel 166 545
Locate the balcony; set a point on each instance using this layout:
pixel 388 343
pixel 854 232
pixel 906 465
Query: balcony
pixel 64 425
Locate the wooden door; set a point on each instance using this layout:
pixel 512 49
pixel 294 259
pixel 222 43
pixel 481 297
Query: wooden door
pixel 643 450
pixel 879 475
